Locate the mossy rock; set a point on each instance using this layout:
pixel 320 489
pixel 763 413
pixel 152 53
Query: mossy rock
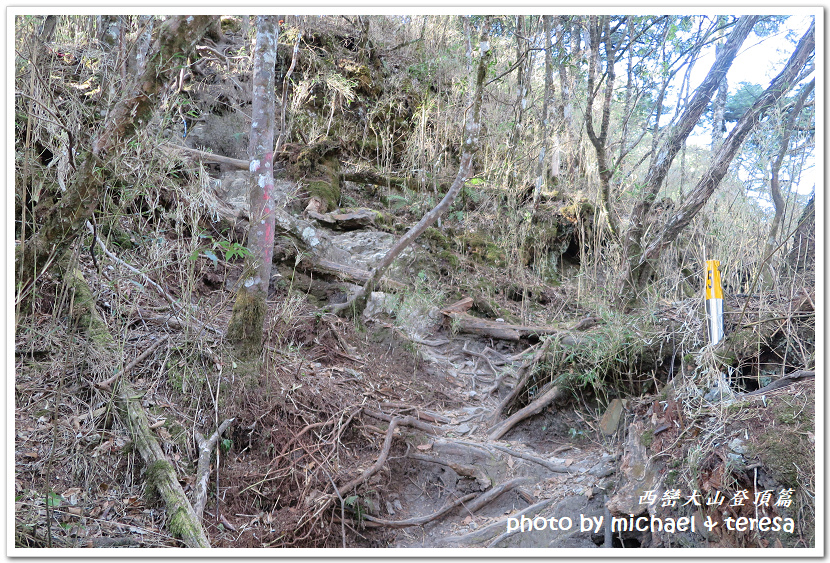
pixel 578 208
pixel 482 248
pixel 436 238
pixel 362 75
pixel 231 24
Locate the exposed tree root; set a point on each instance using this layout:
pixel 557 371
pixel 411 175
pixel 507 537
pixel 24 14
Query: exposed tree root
pixel 421 520
pixel 533 408
pixel 492 530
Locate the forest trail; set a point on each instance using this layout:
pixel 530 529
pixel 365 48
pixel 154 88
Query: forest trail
pixel 195 365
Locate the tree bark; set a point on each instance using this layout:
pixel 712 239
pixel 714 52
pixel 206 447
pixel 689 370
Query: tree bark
pixel 782 83
pixel 632 251
pixel 248 318
pixel 470 145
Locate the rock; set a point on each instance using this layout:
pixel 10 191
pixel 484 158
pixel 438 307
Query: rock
pixel 737 446
pixel 380 304
pixel 367 248
pixel 352 220
pixel 611 419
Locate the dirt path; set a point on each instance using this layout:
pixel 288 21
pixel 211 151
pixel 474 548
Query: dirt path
pixel 529 473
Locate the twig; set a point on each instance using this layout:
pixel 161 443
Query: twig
pixel 342 509
pixel 203 468
pixel 107 385
pixel 176 307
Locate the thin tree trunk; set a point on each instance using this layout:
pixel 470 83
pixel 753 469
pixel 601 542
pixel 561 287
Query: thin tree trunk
pixel 664 157
pixel 248 318
pixel 774 185
pixel 470 145
pixel 547 102
pixel 723 157
pixel 600 30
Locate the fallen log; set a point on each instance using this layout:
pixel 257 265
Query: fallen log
pixel 161 475
pixel 462 322
pixel 346 273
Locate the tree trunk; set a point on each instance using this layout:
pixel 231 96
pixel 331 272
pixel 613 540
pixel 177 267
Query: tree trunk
pixel 547 103
pixel 600 32
pixel 782 83
pixel 719 103
pixel 470 145
pixel 66 219
pixel 657 173
pixel 248 319
pixel 775 167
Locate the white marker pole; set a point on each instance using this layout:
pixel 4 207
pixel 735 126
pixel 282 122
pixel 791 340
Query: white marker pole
pixel 714 301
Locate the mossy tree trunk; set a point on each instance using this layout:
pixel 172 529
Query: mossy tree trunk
pixel 248 319
pixel 176 40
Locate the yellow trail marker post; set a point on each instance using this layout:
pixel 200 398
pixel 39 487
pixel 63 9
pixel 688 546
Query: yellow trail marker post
pixel 714 301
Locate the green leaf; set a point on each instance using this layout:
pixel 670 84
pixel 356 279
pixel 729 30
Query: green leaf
pixel 212 256
pixel 53 499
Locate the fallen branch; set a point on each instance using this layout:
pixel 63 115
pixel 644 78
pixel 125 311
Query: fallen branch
pixel 209 157
pixel 161 475
pixel 523 375
pixel 107 385
pixel 203 468
pixel 786 380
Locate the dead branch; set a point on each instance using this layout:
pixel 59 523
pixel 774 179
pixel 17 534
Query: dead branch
pixel 523 375
pixel 403 421
pixel 107 385
pixel 184 523
pixel 203 468
pixel 208 156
